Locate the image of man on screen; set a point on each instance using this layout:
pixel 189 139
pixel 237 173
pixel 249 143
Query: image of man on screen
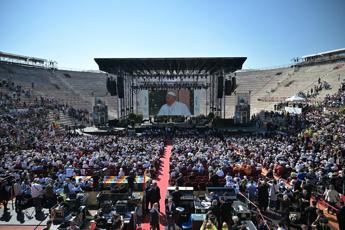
pixel 173 107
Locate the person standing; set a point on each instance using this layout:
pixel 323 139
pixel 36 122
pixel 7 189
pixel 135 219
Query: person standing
pixel 176 196
pixel 170 211
pixel 308 186
pixel 5 195
pixel 155 194
pixel 273 191
pixel 154 217
pixel 310 214
pixel 263 195
pixel 36 194
pixel 18 194
pixel 343 178
pixel 147 197
pixel 332 197
pixel 50 196
pixel 130 180
pixel 251 190
pixel 226 210
pixel 180 180
pixel 285 208
pixel 215 211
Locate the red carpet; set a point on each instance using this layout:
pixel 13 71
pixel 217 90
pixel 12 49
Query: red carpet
pixel 163 183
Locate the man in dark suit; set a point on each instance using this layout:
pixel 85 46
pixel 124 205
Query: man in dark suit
pixel 170 210
pixel 147 198
pixel 310 214
pixel 226 211
pixel 130 180
pixel 263 195
pixel 155 194
pixel 176 196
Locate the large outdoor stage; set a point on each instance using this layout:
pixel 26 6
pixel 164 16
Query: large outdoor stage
pixel 171 86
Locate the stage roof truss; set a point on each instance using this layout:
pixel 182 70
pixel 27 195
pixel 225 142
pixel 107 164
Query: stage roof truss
pixel 169 66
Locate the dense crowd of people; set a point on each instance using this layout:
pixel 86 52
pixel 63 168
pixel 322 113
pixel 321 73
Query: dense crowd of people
pixel 307 155
pixel 302 159
pixel 37 162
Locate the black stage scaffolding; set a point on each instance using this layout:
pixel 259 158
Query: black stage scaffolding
pixel 206 73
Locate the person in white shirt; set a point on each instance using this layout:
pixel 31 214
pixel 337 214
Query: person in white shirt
pixel 332 197
pixel 36 194
pixel 17 189
pixel 173 107
pixel 17 192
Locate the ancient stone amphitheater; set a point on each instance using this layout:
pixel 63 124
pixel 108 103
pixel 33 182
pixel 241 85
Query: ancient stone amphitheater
pixel 267 87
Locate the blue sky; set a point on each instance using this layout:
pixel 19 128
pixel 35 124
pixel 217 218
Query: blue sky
pixel 268 32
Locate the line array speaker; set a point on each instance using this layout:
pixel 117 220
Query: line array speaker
pixel 228 87
pixel 220 87
pixel 111 86
pixel 120 87
pixel 234 86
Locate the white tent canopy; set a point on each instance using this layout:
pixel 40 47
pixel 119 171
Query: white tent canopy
pixel 295 98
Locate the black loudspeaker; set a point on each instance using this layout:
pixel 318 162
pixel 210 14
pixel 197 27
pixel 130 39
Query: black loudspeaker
pixel 108 84
pixel 234 86
pixel 220 87
pixel 120 87
pixel 111 86
pixel 228 87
